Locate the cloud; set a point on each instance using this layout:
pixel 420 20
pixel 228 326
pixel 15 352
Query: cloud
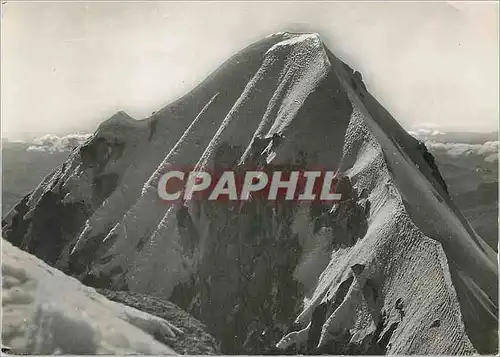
pixel 489 149
pixel 422 130
pixel 54 143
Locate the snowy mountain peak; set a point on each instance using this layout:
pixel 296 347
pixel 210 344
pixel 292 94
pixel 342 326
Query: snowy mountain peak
pixel 259 274
pixel 310 41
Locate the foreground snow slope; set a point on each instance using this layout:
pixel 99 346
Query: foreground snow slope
pixel 395 268
pixel 46 312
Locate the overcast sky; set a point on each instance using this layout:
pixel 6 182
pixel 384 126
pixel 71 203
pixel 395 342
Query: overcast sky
pixel 68 66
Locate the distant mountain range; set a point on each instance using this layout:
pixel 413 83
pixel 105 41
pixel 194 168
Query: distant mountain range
pixel 429 134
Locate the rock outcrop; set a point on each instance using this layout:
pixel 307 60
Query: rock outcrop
pixel 194 339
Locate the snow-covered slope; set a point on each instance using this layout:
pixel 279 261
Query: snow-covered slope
pixel 395 268
pixel 47 312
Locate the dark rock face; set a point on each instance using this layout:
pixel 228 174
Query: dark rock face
pixel 16 228
pixel 429 158
pixel 50 227
pixel 244 287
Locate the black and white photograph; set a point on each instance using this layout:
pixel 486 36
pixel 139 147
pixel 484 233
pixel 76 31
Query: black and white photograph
pixel 249 177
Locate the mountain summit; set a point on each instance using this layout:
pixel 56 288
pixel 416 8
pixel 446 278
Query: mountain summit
pixel 394 268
